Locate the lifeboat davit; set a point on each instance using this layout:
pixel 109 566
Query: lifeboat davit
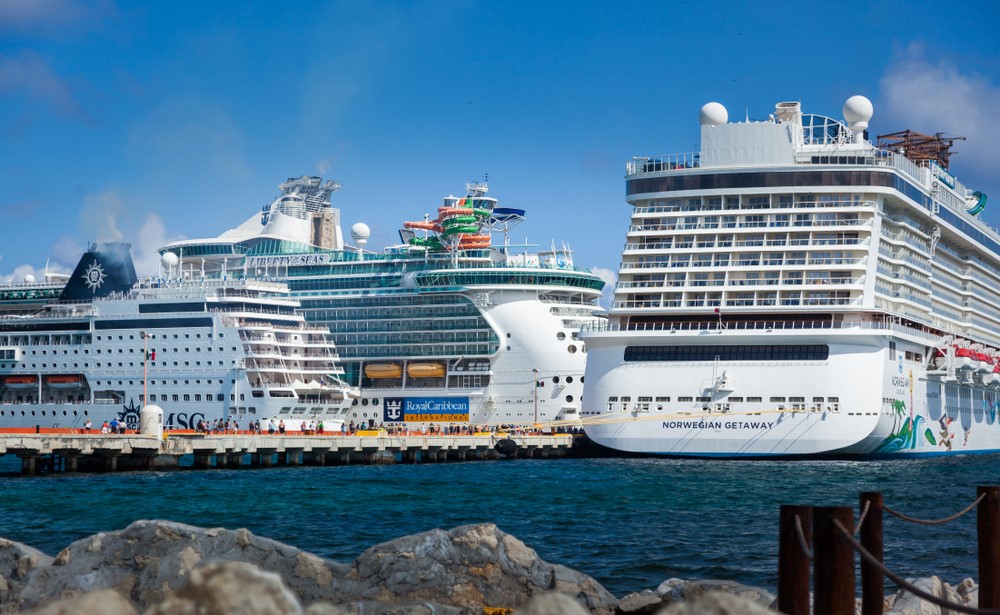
pixel 64 381
pixel 965 358
pixel 986 363
pixel 425 370
pixel 20 382
pixel 383 370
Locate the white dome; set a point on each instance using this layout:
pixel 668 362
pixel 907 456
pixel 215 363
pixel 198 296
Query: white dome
pixel 713 114
pixel 29 279
pixel 169 260
pixel 858 110
pixel 360 232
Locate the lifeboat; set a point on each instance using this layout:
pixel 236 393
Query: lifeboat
pixel 985 363
pixel 64 381
pixel 992 378
pixel 425 370
pixel 965 358
pixel 20 382
pixel 383 370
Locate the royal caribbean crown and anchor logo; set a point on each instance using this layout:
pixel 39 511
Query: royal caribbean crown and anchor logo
pixel 441 409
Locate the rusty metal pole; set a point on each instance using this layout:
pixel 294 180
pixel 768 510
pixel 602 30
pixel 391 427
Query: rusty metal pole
pixel 988 530
pixel 793 562
pixel 833 561
pixel 872 581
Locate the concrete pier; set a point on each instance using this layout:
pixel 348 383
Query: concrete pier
pixel 110 453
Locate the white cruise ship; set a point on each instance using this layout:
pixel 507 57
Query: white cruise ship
pixel 454 325
pixel 796 289
pixel 200 350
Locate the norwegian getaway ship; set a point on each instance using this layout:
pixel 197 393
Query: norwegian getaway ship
pixel 449 326
pixel 794 289
pixel 201 350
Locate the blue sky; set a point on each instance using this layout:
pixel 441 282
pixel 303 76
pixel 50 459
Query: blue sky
pixel 156 121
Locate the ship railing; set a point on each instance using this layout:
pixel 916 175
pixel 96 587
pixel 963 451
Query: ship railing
pixel 760 325
pixel 669 162
pixel 682 206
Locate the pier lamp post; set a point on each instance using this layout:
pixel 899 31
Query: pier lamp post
pixel 535 372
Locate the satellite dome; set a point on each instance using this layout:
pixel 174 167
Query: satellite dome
pixel 857 111
pixel 360 232
pixel 169 260
pixel 29 279
pixel 713 114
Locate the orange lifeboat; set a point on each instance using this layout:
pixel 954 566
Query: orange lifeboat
pixel 64 381
pixel 965 358
pixel 20 382
pixel 383 370
pixel 425 370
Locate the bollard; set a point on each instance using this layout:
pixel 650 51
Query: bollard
pixel 793 563
pixel 872 582
pixel 833 561
pixel 988 531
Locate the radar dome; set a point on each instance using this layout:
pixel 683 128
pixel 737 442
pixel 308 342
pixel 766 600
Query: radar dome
pixel 857 111
pixel 360 232
pixel 713 114
pixel 29 279
pixel 169 260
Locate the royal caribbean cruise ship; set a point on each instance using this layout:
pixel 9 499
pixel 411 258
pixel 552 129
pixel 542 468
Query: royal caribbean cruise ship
pixel 201 350
pixel 453 325
pixel 797 289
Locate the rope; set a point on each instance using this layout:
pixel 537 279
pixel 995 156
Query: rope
pixel 802 538
pixel 903 584
pixel 934 521
pixel 861 519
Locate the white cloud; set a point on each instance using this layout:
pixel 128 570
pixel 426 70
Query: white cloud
pixel 610 278
pixel 27 74
pixel 931 97
pixel 151 236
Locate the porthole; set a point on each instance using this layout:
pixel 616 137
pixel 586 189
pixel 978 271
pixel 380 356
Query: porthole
pixel 555 379
pixel 569 379
pixel 571 348
pixel 569 398
pixel 354 402
pixel 375 401
pixel 560 336
pixel 508 348
pixel 508 336
pixel 364 402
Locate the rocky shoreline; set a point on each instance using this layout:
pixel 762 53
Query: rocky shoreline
pixel 167 568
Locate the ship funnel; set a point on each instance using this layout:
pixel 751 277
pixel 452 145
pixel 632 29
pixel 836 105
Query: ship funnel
pixel 788 113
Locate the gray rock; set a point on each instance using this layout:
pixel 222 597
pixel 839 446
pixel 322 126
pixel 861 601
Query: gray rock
pixel 103 602
pixel 552 603
pixel 473 566
pixel 905 603
pixel 233 587
pixel 385 608
pixel 643 603
pixel 686 591
pixel 17 562
pixel 716 603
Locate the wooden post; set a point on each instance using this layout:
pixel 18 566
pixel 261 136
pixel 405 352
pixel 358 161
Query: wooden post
pixel 872 582
pixel 793 563
pixel 833 561
pixel 988 530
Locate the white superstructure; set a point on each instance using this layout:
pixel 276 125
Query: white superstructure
pixel 199 349
pixel 794 289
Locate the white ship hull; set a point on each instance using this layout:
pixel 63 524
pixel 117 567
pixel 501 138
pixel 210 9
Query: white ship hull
pixel 885 406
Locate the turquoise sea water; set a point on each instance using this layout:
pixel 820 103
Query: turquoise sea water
pixel 630 523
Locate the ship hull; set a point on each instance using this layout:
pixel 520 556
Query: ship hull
pixel 863 400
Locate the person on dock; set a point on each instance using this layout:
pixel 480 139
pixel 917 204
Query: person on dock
pixel 105 428
pixel 87 425
pixel 270 427
pixel 281 427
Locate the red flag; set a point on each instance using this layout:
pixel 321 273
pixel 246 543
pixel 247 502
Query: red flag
pixel 716 310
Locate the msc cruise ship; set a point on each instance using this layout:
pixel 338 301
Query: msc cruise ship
pixel 797 288
pixel 201 350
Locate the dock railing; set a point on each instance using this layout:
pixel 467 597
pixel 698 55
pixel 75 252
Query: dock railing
pixel 824 536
